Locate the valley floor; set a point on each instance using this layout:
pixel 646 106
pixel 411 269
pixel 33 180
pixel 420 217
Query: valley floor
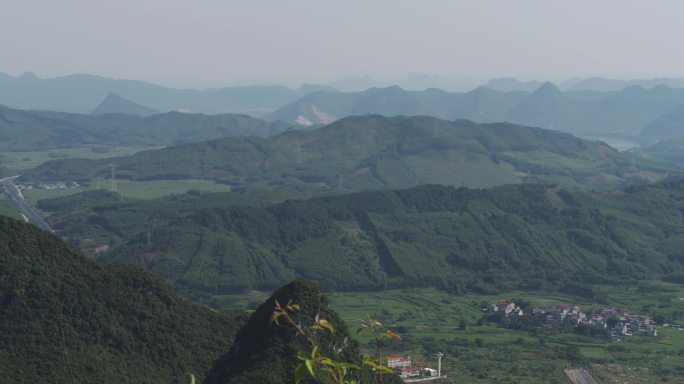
pixel 432 321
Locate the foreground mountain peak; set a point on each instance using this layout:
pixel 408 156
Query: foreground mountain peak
pixel 266 353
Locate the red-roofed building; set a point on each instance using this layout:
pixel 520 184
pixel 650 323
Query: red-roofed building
pixel 398 362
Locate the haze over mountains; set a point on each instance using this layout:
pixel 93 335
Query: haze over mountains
pixel 82 93
pixel 588 113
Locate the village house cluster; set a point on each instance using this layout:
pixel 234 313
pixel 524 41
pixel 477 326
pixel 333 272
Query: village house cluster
pixel 405 369
pixel 57 185
pixel 617 322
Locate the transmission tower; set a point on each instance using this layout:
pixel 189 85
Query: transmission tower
pixel 299 153
pixel 111 165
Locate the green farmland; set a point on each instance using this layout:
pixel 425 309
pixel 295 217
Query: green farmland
pixel 429 321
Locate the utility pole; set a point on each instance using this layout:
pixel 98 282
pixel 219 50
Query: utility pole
pixel 148 238
pixel 439 364
pixel 340 181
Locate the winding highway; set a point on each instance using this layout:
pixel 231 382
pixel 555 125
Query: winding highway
pixel 13 192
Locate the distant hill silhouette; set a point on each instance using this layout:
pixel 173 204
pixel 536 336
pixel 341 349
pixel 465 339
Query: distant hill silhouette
pixel 601 84
pixel 667 127
pixel 508 84
pixel 114 103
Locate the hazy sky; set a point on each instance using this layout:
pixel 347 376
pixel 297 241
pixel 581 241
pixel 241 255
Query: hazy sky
pixel 223 41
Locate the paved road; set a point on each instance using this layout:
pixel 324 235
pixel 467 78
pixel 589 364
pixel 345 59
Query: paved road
pixel 29 211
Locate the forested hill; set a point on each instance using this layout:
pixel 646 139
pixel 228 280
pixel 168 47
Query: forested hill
pixel 375 152
pixel 516 236
pixel 41 130
pixel 64 319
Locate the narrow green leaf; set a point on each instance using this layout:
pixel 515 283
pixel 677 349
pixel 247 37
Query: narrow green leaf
pixel 310 367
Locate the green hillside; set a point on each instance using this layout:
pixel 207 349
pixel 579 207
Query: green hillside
pixel 91 219
pixel 266 353
pixel 666 150
pixel 64 319
pixel 524 236
pixel 375 152
pixel 42 130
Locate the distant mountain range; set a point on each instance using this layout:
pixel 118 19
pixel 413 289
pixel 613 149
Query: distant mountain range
pixel 588 113
pixel 82 93
pixel 372 152
pixel 510 84
pixel 590 106
pixel 601 84
pixel 41 130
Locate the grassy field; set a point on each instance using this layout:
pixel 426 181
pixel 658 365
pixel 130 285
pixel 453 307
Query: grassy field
pixel 26 160
pixel 133 189
pixel 429 322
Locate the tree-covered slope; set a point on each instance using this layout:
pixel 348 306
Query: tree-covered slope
pixel 666 150
pixel 266 353
pixel 373 152
pixel 523 236
pixel 64 319
pixel 95 218
pixel 41 130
